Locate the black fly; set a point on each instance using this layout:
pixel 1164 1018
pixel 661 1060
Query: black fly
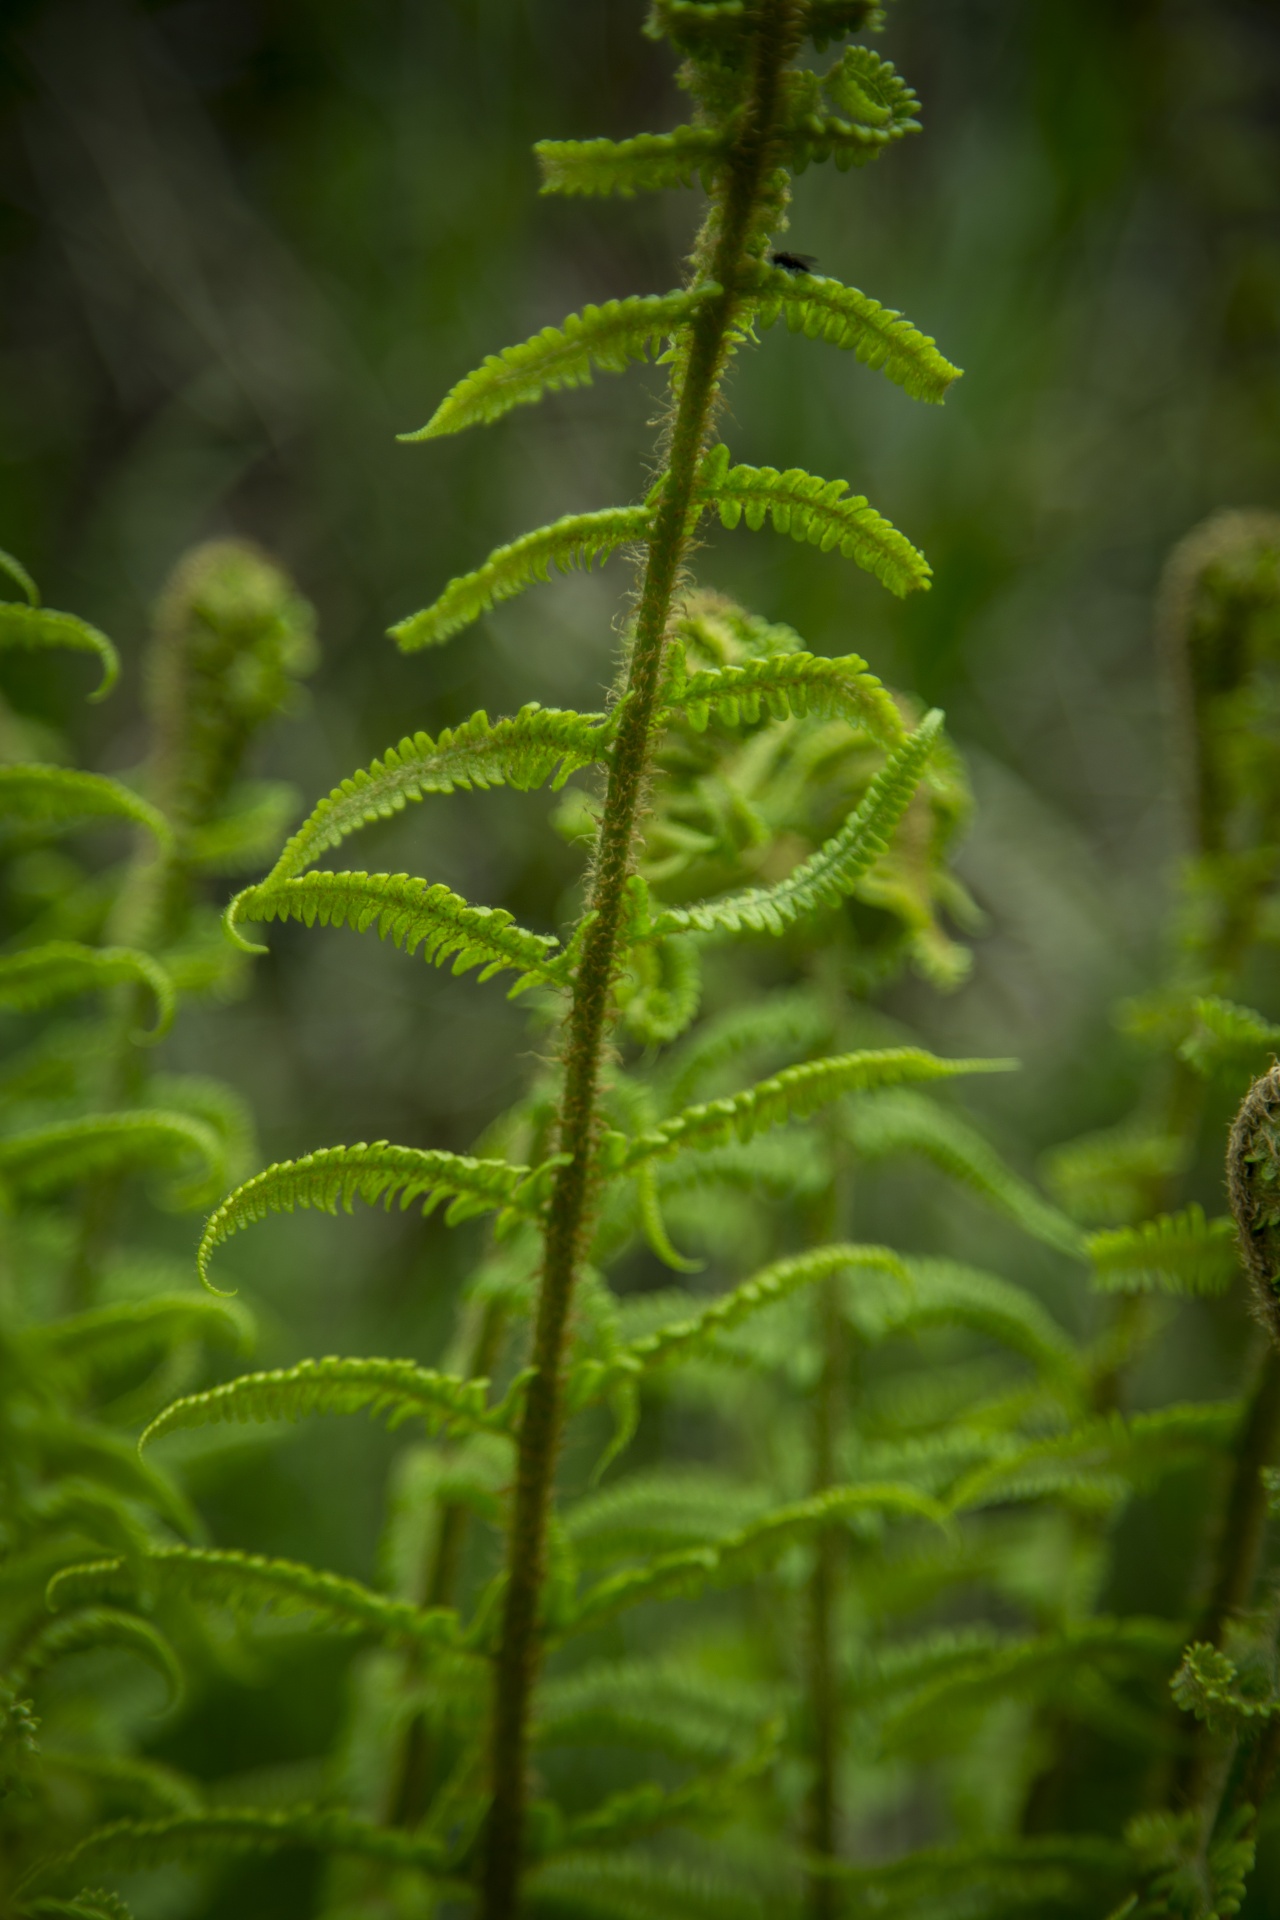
pixel 794 262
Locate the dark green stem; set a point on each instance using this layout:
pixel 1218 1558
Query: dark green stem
pixel 572 1203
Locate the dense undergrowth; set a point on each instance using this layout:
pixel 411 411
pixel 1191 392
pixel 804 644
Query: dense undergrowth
pixel 733 1563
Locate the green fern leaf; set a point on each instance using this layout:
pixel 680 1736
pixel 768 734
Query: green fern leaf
pixel 338 1176
pixel 814 510
pixel 19 577
pixel 219 1831
pixel 249 1584
pixel 95 1903
pixel 1031 1874
pixel 947 1293
pixel 1178 1253
pixel 85 1451
pixel 688 1572
pixel 396 1388
pixel 575 541
pixel 871 90
pixel 633 1886
pixel 43 1159
pixel 644 1809
pixel 609 338
pixel 830 874
pixel 792 683
pixel 823 309
pixel 657 1511
pixel 38 976
pixel 128 1332
pixel 91 1628
pixel 793 1094
pixel 794 1022
pixel 247 831
pixel 62 796
pixel 411 912
pixel 647 163
pixel 534 745
pixel 898 1122
pixel 35 626
pixel 1227 1037
pixel 1100 1460
pixel 661 1704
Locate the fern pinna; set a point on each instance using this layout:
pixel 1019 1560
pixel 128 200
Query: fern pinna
pixel 99 1322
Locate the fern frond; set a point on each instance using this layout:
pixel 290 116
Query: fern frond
pixel 814 510
pixel 1181 1253
pixel 245 833
pixel 229 1830
pixel 63 796
pixel 940 1292
pixel 396 1388
pixel 95 1903
pixel 147 1787
pixel 338 1176
pixel 45 1158
pixel 89 1629
pixel 681 1574
pixel 1029 1874
pixel 647 163
pixel 534 745
pixel 104 1339
pixel 655 1511
pixel 654 1703
pixel 793 1094
pixel 1227 1036
pixel 633 1886
pixel 823 309
pixel 696 1333
pixel 249 1584
pixel 14 570
pixel 35 627
pixel 87 1451
pixel 644 1809
pixel 1101 1459
pixel 829 875
pixel 609 338
pixel 412 913
pixel 38 976
pixel 791 683
pixel 898 1122
pixel 574 541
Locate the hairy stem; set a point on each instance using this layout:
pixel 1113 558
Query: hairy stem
pixel 823 1599
pixel 571 1206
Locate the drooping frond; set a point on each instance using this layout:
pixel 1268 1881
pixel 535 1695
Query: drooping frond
pixel 85 1450
pixel 785 684
pixel 940 1292
pixel 1102 1458
pixel 928 1679
pixel 830 874
pixel 644 1809
pixel 574 541
pixel 634 1886
pixel 814 510
pixel 1176 1252
pixel 35 627
pixel 696 1333
pixel 1226 1036
pixel 42 1159
pixel 608 338
pixel 1030 1874
pixel 398 1389
pixel 411 912
pixel 38 976
pixel 127 1844
pixel 646 163
pixel 688 1572
pixel 250 1584
pixel 534 745
pixel 338 1176
pixel 906 1122
pixel 658 1510
pixel 88 1629
pixel 792 1094
pixel 63 796
pixel 823 309
pixel 147 1787
pixel 131 1331
pixel 13 570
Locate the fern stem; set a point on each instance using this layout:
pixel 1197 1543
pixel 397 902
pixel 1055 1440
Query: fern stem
pixel 726 233
pixel 823 1598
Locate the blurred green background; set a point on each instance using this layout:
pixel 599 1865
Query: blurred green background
pixel 246 242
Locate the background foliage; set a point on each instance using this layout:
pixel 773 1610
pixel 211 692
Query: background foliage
pixel 245 244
